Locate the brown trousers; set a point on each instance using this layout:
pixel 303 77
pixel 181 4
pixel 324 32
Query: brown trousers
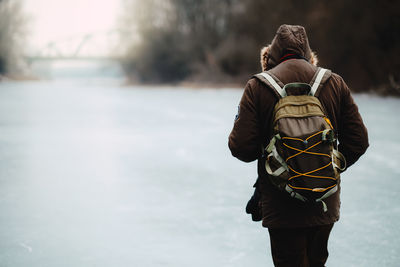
pixel 300 247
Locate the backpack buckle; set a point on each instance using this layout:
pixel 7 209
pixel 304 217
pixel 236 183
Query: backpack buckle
pixel 272 143
pixel 328 135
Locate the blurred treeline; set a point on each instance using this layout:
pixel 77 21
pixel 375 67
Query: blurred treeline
pixel 219 41
pixel 12 36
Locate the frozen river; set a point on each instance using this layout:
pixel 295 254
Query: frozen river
pixel 95 174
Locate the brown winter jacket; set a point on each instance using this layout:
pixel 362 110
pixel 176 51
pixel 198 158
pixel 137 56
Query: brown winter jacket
pixel 252 129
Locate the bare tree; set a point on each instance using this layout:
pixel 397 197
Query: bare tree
pixel 178 39
pixel 12 33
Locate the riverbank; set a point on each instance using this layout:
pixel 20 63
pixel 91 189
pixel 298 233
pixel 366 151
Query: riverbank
pixel 18 77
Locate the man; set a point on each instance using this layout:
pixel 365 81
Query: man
pixel 298 231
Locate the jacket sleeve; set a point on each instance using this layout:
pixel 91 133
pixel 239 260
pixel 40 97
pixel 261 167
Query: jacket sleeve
pixel 353 135
pixel 245 138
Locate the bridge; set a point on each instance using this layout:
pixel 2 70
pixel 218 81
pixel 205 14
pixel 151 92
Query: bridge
pixel 102 45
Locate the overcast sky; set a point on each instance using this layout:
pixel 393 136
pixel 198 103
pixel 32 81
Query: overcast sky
pixel 55 20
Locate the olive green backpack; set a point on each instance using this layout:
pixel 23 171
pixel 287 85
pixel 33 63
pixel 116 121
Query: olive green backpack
pixel 301 157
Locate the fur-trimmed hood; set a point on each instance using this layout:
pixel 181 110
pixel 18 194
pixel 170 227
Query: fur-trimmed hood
pixel 289 39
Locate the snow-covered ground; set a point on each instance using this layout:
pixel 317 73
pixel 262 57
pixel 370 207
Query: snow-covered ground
pixel 102 175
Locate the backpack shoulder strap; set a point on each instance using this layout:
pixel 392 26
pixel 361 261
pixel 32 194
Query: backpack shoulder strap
pixel 272 82
pixel 320 77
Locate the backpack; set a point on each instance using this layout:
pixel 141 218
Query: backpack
pixel 301 157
